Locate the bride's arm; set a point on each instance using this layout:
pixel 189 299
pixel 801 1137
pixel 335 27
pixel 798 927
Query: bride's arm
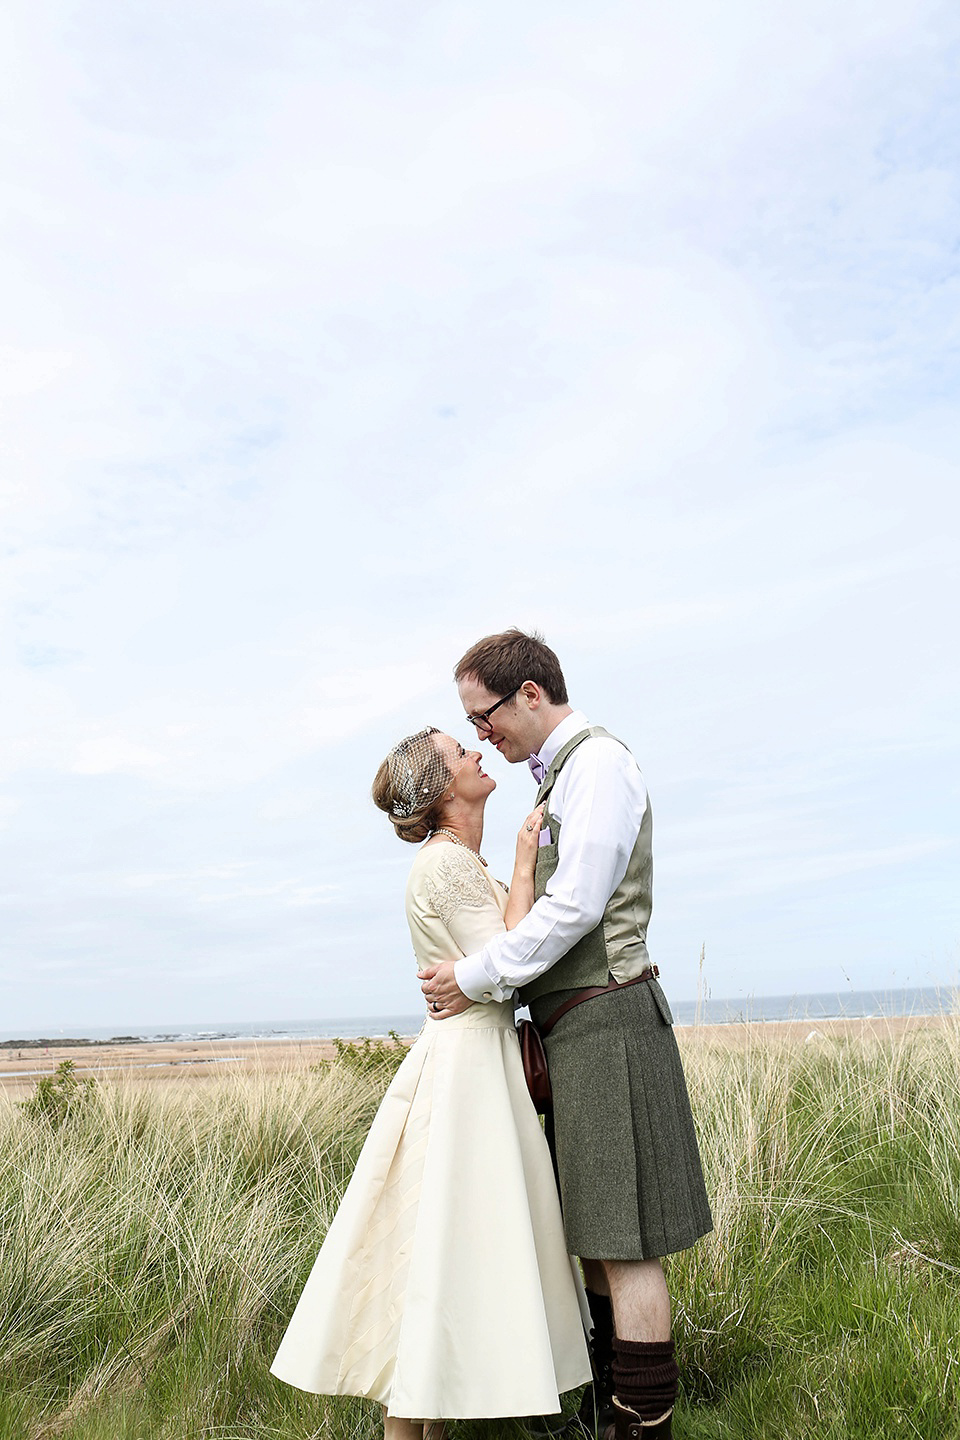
pixel 464 904
pixel 521 886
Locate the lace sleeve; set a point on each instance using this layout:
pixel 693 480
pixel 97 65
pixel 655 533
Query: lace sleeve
pixel 462 898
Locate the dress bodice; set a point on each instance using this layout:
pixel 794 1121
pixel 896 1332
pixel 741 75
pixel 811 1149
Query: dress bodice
pixel 453 905
pixel 453 908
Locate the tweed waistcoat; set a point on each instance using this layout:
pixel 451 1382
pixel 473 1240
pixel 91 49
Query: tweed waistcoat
pixel 617 945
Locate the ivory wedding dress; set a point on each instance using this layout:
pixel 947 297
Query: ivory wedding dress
pixel 443 1288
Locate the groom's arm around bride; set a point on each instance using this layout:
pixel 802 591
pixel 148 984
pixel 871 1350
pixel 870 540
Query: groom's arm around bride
pixel 627 1155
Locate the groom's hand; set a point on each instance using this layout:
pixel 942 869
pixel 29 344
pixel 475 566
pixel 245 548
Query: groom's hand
pixel 444 996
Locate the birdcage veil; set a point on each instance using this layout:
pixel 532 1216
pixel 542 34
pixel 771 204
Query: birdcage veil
pixel 418 773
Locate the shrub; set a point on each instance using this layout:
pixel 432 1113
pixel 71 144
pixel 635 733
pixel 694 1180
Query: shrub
pixel 58 1095
pixel 378 1059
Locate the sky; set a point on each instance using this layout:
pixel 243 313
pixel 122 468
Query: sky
pixel 335 336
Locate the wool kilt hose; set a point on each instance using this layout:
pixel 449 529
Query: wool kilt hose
pixel 631 1183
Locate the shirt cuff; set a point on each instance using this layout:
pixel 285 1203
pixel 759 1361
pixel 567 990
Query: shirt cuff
pixel 476 983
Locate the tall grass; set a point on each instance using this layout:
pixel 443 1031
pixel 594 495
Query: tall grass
pixel 827 1301
pixel 153 1241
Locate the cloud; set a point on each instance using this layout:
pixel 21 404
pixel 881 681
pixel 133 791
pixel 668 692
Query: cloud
pixel 24 371
pixel 340 337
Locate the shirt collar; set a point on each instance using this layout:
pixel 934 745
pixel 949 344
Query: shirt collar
pixel 571 725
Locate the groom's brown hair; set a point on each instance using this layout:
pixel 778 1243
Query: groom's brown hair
pixel 502 662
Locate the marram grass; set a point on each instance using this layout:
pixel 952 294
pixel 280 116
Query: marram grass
pixel 153 1241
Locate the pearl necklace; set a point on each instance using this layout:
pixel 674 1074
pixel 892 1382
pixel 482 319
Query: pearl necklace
pixel 457 841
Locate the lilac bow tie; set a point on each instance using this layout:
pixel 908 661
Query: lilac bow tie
pixel 537 769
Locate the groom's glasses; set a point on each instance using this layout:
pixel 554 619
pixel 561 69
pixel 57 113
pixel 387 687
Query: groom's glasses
pixel 481 722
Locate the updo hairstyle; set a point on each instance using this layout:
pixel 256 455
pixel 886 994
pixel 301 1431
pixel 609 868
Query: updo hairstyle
pixel 410 785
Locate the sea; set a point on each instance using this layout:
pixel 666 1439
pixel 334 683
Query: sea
pixel 850 1004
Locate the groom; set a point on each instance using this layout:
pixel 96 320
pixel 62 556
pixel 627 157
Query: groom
pixel 627 1156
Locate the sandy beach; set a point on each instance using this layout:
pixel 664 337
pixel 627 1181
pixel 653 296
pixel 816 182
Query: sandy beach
pixel 199 1060
pixel 159 1060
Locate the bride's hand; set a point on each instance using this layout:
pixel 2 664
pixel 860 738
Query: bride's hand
pixel 528 840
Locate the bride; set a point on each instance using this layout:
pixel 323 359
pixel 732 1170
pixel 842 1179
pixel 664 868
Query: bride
pixel 444 1289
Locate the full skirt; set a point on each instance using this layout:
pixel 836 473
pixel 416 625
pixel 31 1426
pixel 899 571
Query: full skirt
pixel 444 1288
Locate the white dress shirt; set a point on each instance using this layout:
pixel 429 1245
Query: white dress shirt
pixel 600 799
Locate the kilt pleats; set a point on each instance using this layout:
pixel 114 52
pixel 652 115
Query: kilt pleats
pixel 631 1183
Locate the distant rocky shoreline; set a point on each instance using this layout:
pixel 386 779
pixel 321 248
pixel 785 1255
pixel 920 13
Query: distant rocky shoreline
pixel 62 1042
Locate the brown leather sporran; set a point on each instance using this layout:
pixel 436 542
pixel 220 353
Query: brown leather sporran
pixel 535 1070
pixel 534 1056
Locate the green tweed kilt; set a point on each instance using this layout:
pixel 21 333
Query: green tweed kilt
pixel 631 1184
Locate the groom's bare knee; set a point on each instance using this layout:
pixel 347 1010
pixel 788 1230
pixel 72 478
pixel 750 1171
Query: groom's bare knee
pixel 641 1302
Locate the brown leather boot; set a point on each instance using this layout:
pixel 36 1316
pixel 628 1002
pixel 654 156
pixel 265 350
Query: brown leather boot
pixel 629 1426
pixel 596 1408
pixel 593 1418
pixel 595 1415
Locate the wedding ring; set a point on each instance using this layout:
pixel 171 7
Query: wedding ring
pixel 529 827
pixel 434 1005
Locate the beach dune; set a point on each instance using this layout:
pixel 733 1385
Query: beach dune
pixel 200 1060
